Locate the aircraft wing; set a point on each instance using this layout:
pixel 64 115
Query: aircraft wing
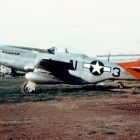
pixel 58 68
pixel 55 65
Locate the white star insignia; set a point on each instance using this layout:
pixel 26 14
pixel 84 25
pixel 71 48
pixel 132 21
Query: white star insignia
pixel 96 67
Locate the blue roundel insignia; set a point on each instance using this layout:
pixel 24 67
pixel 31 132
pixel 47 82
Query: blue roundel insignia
pixel 96 68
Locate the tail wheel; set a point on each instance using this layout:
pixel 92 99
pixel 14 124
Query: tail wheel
pixel 121 85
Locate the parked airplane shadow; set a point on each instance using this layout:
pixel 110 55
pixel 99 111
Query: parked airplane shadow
pixel 79 89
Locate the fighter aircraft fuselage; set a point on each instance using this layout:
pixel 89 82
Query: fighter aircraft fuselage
pixel 67 67
pixel 15 58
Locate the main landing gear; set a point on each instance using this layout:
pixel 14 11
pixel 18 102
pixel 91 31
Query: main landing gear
pixel 28 87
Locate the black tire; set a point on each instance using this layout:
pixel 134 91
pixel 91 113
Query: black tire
pixel 121 86
pixel 25 89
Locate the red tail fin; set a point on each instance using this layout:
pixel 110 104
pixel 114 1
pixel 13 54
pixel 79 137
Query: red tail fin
pixel 132 67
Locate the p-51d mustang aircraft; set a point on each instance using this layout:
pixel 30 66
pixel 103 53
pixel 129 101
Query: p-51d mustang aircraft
pixel 46 67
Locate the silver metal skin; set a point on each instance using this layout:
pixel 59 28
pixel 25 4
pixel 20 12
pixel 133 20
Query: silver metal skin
pixel 58 67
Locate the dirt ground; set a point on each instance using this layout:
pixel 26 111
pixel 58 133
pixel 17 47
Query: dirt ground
pixel 103 117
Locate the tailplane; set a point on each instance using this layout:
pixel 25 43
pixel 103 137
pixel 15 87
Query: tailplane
pixel 132 67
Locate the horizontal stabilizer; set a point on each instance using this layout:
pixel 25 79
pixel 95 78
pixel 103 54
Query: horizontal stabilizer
pixel 136 69
pixel 132 67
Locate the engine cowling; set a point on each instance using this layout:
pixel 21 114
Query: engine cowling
pixel 41 78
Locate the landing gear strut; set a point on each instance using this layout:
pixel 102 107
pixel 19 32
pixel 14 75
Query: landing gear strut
pixel 28 87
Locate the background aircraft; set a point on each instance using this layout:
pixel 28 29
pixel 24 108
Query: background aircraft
pixel 119 57
pixel 47 67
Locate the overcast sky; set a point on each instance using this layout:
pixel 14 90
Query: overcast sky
pixel 90 26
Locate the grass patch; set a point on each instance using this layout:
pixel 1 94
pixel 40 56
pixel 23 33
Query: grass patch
pixel 10 92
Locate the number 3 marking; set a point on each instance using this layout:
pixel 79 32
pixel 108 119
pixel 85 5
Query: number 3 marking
pixel 116 72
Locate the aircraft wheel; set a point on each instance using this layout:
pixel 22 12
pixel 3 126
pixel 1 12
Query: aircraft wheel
pixel 26 89
pixel 121 85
